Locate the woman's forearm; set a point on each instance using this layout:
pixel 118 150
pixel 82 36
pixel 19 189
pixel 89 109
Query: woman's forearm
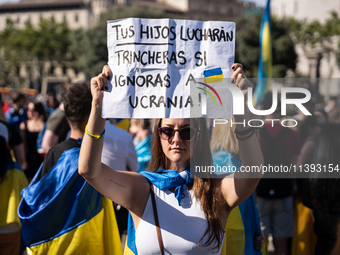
pixel 250 150
pixel 244 182
pixel 91 149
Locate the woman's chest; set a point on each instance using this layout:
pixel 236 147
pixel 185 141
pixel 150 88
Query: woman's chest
pixel 182 227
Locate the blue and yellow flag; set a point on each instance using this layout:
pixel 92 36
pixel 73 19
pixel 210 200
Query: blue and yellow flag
pixel 63 214
pixel 130 245
pixel 213 75
pixel 242 226
pixel 244 220
pixel 10 187
pixel 265 59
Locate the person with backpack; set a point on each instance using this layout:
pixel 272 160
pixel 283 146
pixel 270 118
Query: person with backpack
pixel 280 146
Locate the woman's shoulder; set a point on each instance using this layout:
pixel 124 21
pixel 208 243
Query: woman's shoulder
pixel 34 126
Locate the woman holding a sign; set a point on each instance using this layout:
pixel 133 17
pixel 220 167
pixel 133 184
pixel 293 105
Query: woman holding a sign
pixel 175 214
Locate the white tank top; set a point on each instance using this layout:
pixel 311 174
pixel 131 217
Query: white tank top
pixel 181 226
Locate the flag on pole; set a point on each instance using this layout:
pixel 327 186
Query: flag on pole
pixel 265 60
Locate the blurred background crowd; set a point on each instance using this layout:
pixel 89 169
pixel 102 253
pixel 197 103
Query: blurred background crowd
pixel 32 124
pixel 47 45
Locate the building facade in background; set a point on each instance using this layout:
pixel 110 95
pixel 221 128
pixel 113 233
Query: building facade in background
pixel 222 10
pixel 305 9
pixel 77 13
pixel 84 14
pixel 311 62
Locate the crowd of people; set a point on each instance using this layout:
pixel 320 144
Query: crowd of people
pixel 60 191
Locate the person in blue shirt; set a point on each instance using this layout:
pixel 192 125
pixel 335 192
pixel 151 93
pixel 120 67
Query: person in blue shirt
pixel 17 113
pixel 142 137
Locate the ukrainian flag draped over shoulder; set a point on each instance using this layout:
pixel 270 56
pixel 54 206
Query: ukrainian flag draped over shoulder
pixel 265 59
pixel 63 214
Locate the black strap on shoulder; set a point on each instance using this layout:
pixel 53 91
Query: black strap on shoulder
pixel 155 214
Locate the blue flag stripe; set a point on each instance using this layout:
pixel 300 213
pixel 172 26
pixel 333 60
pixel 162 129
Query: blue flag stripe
pixel 212 72
pixel 59 203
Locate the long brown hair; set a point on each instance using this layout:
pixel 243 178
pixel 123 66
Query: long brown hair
pixel 204 188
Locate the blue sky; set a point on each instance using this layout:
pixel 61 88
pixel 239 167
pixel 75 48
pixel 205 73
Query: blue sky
pixel 259 2
pixel 5 1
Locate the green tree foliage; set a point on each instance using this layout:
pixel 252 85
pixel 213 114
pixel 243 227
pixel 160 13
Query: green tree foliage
pixel 314 33
pixel 50 41
pixel 10 54
pixel 90 48
pixel 247 46
pixel 318 36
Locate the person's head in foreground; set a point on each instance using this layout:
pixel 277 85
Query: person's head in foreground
pixel 77 104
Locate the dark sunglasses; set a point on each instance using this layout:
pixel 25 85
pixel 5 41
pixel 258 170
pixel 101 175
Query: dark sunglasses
pixel 168 133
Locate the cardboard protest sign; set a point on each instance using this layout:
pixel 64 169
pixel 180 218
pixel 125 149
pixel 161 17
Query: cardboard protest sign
pixel 168 68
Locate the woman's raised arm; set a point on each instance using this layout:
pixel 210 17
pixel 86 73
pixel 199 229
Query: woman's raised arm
pixel 128 189
pixel 242 185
